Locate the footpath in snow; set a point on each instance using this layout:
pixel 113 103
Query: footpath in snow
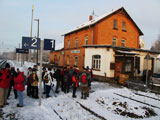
pixel 105 102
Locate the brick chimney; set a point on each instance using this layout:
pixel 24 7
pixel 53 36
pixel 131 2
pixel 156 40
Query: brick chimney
pixel 90 17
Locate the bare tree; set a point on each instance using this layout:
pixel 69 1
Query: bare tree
pixel 156 45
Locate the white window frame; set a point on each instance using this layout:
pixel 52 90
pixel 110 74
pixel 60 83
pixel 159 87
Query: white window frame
pixel 124 26
pixel 86 40
pixel 75 60
pixel 68 43
pixel 114 41
pixel 128 66
pixel 76 43
pixel 96 62
pixel 123 43
pixel 115 24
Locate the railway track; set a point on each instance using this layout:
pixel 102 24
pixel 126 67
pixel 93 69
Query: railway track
pixel 146 96
pixel 137 101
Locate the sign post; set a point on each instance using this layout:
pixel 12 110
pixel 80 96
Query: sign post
pixel 40 88
pixel 36 43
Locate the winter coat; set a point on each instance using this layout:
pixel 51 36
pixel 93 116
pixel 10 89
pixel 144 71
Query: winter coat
pixel 75 80
pixel 80 78
pixel 49 78
pixel 58 74
pixel 5 79
pixel 34 78
pixel 19 82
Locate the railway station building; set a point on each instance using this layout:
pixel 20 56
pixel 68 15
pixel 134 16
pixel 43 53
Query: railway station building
pixel 109 44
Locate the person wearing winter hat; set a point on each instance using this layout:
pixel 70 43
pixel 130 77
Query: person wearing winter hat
pixel 34 85
pixel 5 78
pixel 19 85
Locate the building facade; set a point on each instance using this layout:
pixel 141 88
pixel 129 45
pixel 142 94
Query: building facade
pixel 115 28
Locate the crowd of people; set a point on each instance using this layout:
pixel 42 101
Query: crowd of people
pixel 67 79
pixel 61 78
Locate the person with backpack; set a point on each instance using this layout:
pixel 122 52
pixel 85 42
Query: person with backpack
pixel 66 81
pixel 48 81
pixel 58 79
pixel 43 73
pixel 75 84
pixel 83 84
pixel 13 74
pixel 5 78
pixel 34 85
pixel 29 77
pixel 19 79
pixel 70 75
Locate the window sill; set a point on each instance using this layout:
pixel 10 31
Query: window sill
pixel 115 28
pixel 75 66
pixel 96 69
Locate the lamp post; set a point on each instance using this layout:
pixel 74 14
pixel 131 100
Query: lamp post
pixel 37 36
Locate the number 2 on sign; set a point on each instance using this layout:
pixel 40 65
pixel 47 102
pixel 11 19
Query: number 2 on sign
pixel 52 41
pixel 34 43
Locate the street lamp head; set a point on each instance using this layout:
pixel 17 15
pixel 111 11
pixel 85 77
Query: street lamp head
pixel 36 19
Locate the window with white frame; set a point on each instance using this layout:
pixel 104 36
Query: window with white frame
pixel 75 61
pixel 68 43
pixel 123 26
pixel 96 62
pixel 86 40
pixel 128 66
pixel 114 41
pixel 123 42
pixel 115 24
pixel 76 43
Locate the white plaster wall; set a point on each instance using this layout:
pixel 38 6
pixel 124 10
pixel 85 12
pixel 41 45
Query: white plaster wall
pixel 157 66
pixel 106 58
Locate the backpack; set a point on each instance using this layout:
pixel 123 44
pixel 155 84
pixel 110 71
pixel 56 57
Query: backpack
pixel 46 78
pixel 65 78
pixel 25 82
pixel 84 78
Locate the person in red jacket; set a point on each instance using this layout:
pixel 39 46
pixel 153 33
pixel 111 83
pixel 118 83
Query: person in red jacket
pixel 19 85
pixel 5 78
pixel 75 84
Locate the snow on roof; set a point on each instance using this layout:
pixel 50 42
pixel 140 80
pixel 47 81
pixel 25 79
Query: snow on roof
pixel 94 21
pixel 91 22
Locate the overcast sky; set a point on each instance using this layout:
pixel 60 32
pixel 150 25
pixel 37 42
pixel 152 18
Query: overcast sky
pixel 59 16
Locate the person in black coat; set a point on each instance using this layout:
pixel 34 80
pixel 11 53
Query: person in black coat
pixel 13 74
pixel 43 73
pixel 58 79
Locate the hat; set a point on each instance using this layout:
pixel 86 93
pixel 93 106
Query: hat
pixel 7 65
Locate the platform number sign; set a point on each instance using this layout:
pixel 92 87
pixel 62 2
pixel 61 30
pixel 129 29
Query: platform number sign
pixel 30 43
pixel 49 44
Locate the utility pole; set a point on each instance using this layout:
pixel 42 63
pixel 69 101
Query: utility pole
pixel 31 31
pixel 37 36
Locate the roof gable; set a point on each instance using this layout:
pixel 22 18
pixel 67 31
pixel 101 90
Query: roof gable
pixel 100 18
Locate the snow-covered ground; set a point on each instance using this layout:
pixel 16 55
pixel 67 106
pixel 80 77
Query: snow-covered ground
pixel 103 101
